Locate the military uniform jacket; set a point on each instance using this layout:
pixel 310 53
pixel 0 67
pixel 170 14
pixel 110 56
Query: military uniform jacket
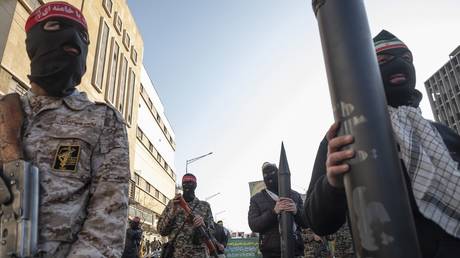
pixel 187 244
pixel 81 151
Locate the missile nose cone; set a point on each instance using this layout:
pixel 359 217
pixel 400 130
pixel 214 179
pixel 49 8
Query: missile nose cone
pixel 283 167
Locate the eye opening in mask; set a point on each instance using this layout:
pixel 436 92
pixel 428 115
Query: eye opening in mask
pixel 59 24
pixel 269 172
pixel 52 25
pixel 385 58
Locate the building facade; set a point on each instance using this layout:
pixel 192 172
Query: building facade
pixel 443 90
pixel 114 74
pixel 153 184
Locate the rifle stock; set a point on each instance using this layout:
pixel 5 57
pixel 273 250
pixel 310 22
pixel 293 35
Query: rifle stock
pixel 19 186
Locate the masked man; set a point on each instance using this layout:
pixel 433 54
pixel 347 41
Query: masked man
pixel 429 154
pixel 80 147
pixel 265 206
pixel 173 221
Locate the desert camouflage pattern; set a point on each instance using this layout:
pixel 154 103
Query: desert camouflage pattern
pixel 168 225
pixel 340 244
pixel 81 150
pixel 314 248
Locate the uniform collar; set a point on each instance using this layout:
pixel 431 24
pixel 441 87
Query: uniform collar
pixel 77 100
pixel 36 104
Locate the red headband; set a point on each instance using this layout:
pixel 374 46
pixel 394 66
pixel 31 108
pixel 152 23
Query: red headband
pixel 55 9
pixel 189 178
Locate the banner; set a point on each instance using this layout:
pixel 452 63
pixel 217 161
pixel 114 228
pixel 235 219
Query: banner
pixel 243 248
pixel 255 187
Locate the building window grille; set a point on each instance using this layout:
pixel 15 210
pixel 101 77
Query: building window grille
pixel 101 51
pixel 112 72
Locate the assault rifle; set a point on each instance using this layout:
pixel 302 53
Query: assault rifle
pixel 19 186
pixel 204 233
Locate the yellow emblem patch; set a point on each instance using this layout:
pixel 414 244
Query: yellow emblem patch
pixel 67 157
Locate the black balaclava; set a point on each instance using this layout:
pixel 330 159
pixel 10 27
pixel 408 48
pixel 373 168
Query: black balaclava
pixel 397 70
pixel 188 187
pixel 135 223
pixel 55 70
pixel 270 174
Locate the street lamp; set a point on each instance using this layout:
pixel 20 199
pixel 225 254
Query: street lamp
pixel 212 196
pixel 189 161
pixel 218 213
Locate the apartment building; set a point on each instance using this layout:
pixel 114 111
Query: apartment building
pixel 443 90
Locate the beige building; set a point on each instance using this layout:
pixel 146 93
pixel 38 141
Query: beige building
pixel 114 68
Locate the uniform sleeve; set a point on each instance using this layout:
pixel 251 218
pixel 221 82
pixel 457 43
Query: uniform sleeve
pixel 103 231
pixel 166 220
pixel 299 217
pixel 260 221
pixel 325 206
pixel 209 221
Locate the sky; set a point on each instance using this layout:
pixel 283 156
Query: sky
pixel 238 77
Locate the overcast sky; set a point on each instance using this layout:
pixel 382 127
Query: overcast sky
pixel 237 77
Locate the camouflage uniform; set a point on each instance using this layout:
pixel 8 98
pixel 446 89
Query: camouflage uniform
pixel 313 248
pixel 168 225
pixel 81 150
pixel 340 242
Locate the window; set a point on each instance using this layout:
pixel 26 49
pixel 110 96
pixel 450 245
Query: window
pixel 131 89
pixel 118 23
pixel 137 179
pixel 99 62
pixel 147 187
pixel 133 55
pixel 17 86
pixel 150 103
pixel 126 39
pixel 122 85
pixel 108 6
pixel 166 166
pixel 150 147
pixel 112 72
pixel 157 194
pixel 139 133
pixel 159 157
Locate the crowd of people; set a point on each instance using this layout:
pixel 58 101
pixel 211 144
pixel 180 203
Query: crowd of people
pixel 84 166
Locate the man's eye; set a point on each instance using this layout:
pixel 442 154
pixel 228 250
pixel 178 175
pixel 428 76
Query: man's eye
pixel 52 26
pixel 382 59
pixel 407 56
pixel 84 36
